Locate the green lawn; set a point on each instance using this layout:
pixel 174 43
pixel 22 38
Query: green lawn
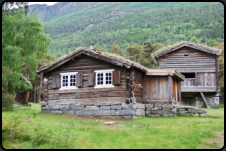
pixel 46 130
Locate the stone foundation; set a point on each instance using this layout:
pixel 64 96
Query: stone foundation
pixel 189 110
pixel 212 101
pixel 113 111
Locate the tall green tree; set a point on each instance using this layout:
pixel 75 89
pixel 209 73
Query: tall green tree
pixel 117 50
pixel 24 43
pixel 135 52
pixel 148 48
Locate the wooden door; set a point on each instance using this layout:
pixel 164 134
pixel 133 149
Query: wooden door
pixel 188 101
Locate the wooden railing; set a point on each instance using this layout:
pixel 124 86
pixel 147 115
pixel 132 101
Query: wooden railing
pixel 188 83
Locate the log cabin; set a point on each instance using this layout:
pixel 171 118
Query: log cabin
pixel 91 83
pixel 199 64
pixel 22 97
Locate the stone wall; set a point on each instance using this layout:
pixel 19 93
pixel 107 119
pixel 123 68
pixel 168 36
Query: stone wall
pixel 189 110
pixel 212 101
pixel 113 111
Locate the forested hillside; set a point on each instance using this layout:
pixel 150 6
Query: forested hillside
pixel 73 25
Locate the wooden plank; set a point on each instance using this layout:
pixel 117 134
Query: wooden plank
pixel 179 85
pixel 53 97
pixel 54 83
pixel 137 88
pixel 156 102
pixel 191 69
pixel 152 85
pixel 217 66
pixel 93 95
pixel 79 79
pixel 106 100
pixel 87 67
pixel 116 77
pixel 199 89
pixel 204 99
pixel 170 88
pixel 91 78
pixel 89 89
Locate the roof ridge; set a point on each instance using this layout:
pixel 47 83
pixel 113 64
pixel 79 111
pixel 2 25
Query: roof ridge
pixel 185 43
pixel 107 55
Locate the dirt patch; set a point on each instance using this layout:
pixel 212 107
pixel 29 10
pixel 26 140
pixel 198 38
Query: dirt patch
pixel 212 143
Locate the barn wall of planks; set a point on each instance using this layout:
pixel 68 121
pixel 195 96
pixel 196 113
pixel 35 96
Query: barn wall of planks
pixel 190 60
pixel 160 90
pixel 86 93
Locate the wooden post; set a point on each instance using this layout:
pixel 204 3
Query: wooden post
pixel 217 73
pixel 204 99
pixel 179 90
pixel 26 97
pixel 39 95
pixel 170 89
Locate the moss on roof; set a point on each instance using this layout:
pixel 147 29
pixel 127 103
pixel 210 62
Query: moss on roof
pixel 163 49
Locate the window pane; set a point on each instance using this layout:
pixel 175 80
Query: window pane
pixel 73 80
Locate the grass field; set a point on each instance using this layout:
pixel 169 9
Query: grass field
pixel 46 130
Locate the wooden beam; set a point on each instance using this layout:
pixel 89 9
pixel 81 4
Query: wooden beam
pixel 160 71
pixel 170 88
pixel 87 90
pixel 103 100
pixel 204 99
pixel 198 89
pixel 217 73
pixel 158 74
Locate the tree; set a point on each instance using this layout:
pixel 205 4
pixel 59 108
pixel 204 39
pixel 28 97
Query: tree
pixel 98 48
pixel 117 50
pixel 24 43
pixel 148 48
pixel 194 39
pixel 135 52
pixel 36 91
pixel 221 63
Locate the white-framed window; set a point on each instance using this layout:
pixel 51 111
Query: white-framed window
pixel 68 80
pixel 104 78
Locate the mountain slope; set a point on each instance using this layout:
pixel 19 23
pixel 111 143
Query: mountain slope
pixel 128 23
pixel 68 11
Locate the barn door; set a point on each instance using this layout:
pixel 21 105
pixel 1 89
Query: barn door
pixel 188 101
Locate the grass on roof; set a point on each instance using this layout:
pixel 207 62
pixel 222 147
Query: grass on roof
pixel 180 43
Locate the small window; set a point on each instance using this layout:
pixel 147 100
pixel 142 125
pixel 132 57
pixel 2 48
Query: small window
pixel 68 80
pixel 189 75
pixel 104 78
pixel 186 54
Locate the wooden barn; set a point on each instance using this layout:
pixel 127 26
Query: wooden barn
pixel 199 65
pixel 23 97
pixel 91 83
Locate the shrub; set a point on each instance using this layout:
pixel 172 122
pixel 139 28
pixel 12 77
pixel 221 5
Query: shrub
pixel 7 94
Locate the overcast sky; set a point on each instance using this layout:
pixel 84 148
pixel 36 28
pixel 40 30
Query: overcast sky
pixel 48 3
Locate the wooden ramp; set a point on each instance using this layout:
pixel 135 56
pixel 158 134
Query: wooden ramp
pixel 204 99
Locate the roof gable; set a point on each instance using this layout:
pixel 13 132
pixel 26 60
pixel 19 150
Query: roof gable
pixel 199 47
pixel 113 59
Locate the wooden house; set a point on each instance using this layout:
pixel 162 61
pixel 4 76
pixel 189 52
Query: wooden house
pixel 88 82
pixel 199 65
pixel 22 97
